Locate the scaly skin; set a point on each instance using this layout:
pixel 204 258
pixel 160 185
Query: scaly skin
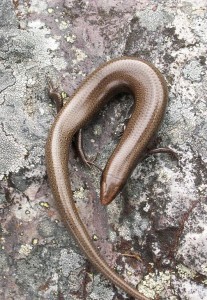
pixel 149 89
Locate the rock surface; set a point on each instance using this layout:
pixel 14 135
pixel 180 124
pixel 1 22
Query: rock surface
pixel 160 219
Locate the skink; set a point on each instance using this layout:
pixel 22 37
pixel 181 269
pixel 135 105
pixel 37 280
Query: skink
pixel 148 87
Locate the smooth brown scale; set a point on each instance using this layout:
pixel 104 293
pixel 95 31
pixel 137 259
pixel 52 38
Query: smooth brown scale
pixel 148 87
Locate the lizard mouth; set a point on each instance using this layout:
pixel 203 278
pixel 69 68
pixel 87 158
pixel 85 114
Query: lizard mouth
pixel 110 188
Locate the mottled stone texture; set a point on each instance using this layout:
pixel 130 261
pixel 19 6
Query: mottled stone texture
pixel 160 219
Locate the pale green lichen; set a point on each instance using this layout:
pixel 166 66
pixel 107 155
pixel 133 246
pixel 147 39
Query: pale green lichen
pixel 185 272
pixel 97 130
pixel 63 25
pixel 25 249
pixel 204 269
pixel 79 194
pixel 35 241
pixel 12 154
pixel 50 10
pixel 70 38
pixel 154 284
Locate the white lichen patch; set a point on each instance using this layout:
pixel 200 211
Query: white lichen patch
pixel 181 187
pixel 183 27
pixel 39 38
pixel 112 236
pixel 124 231
pixel 193 71
pixel 80 55
pixel 100 289
pixel 59 63
pixel 37 6
pixel 153 19
pixel 37 24
pixel 197 5
pixel 190 290
pixel 12 153
pixel 69 260
pixel 193 248
pixel 140 225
